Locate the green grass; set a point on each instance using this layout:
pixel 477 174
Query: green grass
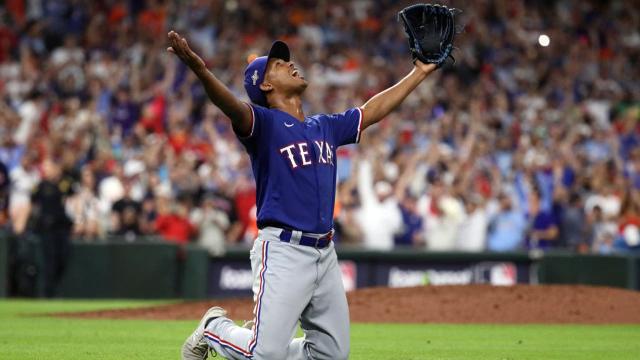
pixel 25 336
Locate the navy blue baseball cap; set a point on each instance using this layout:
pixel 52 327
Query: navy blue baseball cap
pixel 254 73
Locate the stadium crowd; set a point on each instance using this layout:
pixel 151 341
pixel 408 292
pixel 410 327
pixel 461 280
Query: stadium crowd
pixel 516 146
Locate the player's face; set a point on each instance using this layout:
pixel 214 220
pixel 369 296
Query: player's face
pixel 283 76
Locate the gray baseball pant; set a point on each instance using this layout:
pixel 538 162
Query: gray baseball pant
pixel 291 282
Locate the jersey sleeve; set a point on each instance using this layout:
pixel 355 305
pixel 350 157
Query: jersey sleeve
pixel 259 120
pixel 346 126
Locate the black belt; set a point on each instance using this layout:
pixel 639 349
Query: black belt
pixel 318 243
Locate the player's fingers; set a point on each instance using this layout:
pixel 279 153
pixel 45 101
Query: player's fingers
pixel 175 42
pixel 185 47
pixel 172 42
pixel 174 39
pixel 174 49
pixel 181 45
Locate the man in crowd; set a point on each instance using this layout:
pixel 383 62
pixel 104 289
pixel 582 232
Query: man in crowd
pixel 51 225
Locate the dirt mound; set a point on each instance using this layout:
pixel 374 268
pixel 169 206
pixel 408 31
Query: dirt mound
pixel 441 304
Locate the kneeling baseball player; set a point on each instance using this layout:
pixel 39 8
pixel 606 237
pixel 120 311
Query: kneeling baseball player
pixel 293 156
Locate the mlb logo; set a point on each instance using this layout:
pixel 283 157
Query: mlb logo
pixel 349 271
pixel 503 274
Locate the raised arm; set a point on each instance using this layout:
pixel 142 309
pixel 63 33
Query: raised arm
pixel 220 95
pixel 366 191
pixel 383 103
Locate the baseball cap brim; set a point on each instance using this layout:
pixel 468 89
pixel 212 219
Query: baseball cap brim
pixel 279 50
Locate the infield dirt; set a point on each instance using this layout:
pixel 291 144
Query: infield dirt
pixel 543 304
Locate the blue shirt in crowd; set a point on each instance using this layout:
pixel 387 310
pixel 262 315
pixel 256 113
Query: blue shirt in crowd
pixel 507 231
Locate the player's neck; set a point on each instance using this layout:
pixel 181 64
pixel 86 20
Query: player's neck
pixel 291 105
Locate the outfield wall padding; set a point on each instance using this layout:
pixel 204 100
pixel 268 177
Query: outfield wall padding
pixel 611 270
pixel 231 276
pixel 154 269
pixel 194 274
pixel 121 270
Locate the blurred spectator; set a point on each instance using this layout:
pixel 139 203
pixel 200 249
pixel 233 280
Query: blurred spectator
pixel 379 216
pixel 245 206
pixel 212 223
pixel 544 226
pixel 605 198
pixel 632 169
pixel 124 112
pixel 251 230
pixel 629 222
pixel 126 214
pixel 473 230
pixel 604 232
pixel 507 227
pixel 411 233
pixel 630 212
pixel 149 215
pixel 575 230
pixel 442 215
pixel 24 179
pixel 51 225
pixel 110 190
pixel 83 208
pixel 69 52
pixel 347 226
pixel 173 222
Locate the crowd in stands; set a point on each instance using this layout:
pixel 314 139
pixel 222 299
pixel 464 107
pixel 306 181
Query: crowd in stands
pixel 517 146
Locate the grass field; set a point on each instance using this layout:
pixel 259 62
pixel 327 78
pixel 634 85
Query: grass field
pixel 26 335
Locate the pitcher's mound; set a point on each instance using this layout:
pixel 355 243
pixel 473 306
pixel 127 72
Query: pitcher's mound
pixel 441 304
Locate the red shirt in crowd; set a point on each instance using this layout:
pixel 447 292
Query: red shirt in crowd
pixel 152 116
pixel 628 219
pixel 174 228
pixel 245 199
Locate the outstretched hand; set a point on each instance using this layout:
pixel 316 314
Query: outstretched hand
pixel 180 47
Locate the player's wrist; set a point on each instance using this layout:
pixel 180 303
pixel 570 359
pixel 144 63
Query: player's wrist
pixel 422 69
pixel 199 68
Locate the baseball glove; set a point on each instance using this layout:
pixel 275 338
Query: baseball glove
pixel 430 29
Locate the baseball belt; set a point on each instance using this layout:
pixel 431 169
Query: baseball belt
pixel 318 242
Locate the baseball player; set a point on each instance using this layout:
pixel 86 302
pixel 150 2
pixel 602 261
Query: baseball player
pixel 293 156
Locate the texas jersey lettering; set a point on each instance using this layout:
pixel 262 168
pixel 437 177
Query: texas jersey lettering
pixel 294 162
pixel 324 151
